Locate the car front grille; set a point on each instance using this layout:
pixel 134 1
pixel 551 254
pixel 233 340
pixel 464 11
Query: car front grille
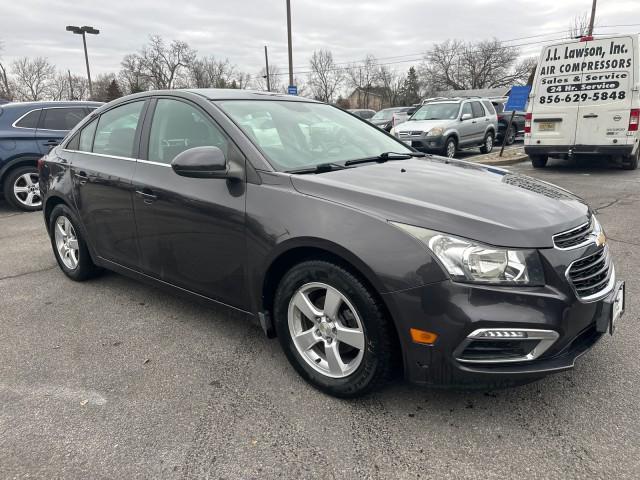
pixel 591 275
pixel 414 133
pixel 575 237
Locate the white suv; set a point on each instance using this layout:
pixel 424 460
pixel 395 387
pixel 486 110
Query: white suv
pixel 444 126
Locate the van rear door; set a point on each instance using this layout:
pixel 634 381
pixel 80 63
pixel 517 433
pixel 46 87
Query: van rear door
pixel 608 78
pixel 554 120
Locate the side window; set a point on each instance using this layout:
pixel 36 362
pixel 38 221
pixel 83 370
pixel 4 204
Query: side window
pixel 74 142
pixel 178 126
pixel 116 130
pixel 86 136
pixel 478 111
pixel 466 108
pixel 30 120
pixel 61 118
pixel 489 106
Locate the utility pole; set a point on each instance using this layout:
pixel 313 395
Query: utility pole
pixel 266 62
pixel 289 40
pixel 70 86
pixel 593 18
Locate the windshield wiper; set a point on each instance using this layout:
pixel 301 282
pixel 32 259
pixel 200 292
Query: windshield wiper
pixel 321 168
pixel 383 157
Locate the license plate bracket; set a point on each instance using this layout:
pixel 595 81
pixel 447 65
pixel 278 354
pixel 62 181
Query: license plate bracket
pixel 547 126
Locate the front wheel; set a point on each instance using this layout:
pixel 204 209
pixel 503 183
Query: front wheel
pixel 450 147
pixel 69 246
pixel 333 330
pixel 487 145
pixel 21 189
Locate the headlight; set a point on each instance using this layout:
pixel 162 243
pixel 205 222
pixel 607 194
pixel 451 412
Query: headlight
pixel 435 132
pixel 469 261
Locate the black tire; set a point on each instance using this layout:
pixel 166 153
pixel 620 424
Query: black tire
pixel 510 136
pixel 12 198
pixel 379 354
pixel 631 162
pixel 85 267
pixel 539 161
pixel 487 143
pixel 448 150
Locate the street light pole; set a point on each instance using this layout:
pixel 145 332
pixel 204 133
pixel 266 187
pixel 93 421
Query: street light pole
pixel 266 61
pixel 83 31
pixel 289 42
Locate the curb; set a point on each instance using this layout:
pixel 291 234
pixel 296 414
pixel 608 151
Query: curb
pixel 498 161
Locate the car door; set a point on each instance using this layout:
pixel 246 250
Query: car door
pixel 480 121
pixel 54 124
pixel 102 169
pixel 191 231
pixel 466 127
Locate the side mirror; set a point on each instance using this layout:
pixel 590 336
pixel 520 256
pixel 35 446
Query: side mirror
pixel 203 162
pixel 466 116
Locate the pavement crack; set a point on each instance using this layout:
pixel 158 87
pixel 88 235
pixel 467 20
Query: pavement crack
pixel 626 242
pixel 9 277
pixel 606 205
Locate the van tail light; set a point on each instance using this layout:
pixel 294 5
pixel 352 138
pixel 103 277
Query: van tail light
pixel 40 163
pixel 634 118
pixel 527 123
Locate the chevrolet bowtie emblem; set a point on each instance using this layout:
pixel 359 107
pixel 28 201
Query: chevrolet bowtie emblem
pixel 601 239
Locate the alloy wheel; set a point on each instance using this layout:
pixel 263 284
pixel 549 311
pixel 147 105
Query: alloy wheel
pixel 27 191
pixel 488 143
pixel 451 149
pixel 67 242
pixel 326 330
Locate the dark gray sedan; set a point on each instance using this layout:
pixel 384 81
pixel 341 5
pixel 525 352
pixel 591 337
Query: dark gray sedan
pixel 363 256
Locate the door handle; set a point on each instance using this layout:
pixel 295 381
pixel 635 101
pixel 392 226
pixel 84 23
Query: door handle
pixel 591 115
pixel 147 196
pixel 52 142
pixel 473 121
pixel 82 177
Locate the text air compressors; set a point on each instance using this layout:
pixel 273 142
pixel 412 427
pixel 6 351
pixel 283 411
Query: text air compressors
pixel 585 101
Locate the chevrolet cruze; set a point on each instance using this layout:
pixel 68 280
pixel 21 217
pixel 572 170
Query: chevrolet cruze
pixel 363 256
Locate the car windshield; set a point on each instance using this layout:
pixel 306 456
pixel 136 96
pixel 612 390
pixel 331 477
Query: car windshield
pixel 385 114
pixel 295 135
pixel 437 111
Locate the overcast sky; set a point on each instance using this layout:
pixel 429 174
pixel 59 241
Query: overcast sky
pixel 392 30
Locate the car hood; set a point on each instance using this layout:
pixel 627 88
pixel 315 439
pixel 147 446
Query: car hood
pixel 421 125
pixel 487 204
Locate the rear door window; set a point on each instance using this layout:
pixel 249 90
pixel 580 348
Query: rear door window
pixel 62 119
pixel 30 120
pixel 477 109
pixel 116 130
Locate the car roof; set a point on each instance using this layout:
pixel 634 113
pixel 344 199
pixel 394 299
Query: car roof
pixel 241 94
pixel 49 104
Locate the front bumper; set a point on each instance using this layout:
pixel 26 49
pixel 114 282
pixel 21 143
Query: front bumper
pixel 454 310
pixel 425 144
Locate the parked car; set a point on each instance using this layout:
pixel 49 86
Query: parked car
pixel 585 101
pixel 504 116
pixel 27 131
pixel 364 113
pixel 359 255
pixel 444 126
pixel 403 115
pixel 384 118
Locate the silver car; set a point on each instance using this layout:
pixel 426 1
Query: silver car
pixel 444 126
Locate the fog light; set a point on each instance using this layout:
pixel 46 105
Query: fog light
pixel 422 336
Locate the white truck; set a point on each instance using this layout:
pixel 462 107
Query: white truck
pixel 585 101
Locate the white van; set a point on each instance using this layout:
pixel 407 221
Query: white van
pixel 585 101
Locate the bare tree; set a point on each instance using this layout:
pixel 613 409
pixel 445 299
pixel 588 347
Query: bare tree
pixel 101 87
pixel 275 79
pixel 208 72
pixel 59 87
pixel 392 83
pixel 32 78
pixel 461 66
pixel 5 87
pixel 163 64
pixel 363 77
pixel 132 75
pixel 242 80
pixel 325 78
pixel 579 26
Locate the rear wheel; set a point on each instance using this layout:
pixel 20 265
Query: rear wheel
pixel 510 136
pixel 333 330
pixel 539 161
pixel 69 246
pixel 631 162
pixel 487 145
pixel 21 189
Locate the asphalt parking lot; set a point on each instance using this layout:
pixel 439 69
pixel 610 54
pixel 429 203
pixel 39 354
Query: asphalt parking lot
pixel 114 379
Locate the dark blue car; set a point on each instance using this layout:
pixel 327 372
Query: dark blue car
pixel 27 132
